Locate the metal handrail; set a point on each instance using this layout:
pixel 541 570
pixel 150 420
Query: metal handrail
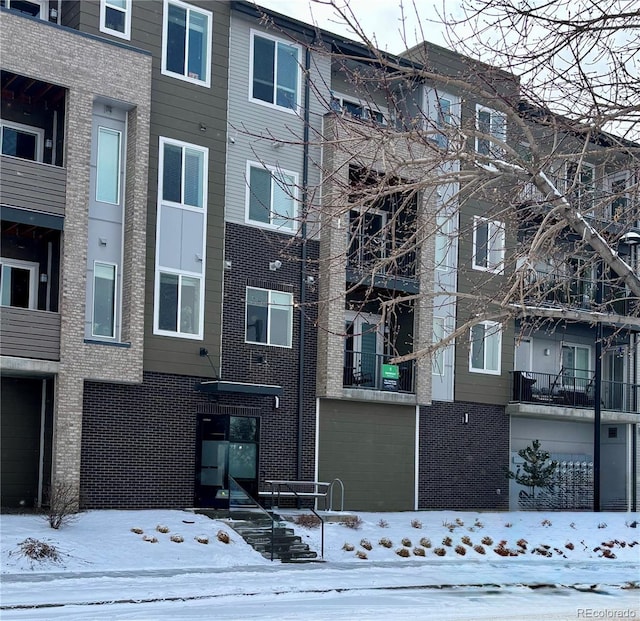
pixel 331 485
pixel 236 490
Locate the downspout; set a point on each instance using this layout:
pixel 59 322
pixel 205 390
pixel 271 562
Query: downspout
pixel 303 258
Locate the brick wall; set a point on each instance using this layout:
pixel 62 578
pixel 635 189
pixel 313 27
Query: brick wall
pixel 250 250
pixel 462 465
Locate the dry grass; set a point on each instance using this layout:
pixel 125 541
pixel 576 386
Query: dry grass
pixel 307 520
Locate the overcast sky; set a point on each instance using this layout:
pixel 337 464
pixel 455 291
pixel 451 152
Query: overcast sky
pixel 381 19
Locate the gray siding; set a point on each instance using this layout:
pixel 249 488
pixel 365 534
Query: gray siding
pixel 29 333
pixel 33 185
pixel 254 129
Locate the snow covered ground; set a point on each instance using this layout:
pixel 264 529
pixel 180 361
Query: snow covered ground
pixel 475 566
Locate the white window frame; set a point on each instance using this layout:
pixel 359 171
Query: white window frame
pixel 115 308
pixel 34 270
pixel 270 305
pixel 494 149
pixel 119 167
pixel 613 179
pixel 38 132
pixel 206 82
pixel 494 330
pixel 496 231
pixel 272 103
pixel 104 4
pixel 338 101
pixel 160 269
pixel 444 242
pixel 293 191
pixel 44 8
pixel 574 347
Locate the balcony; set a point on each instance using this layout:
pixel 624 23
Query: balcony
pixel 373 372
pixel 571 388
pixel 33 185
pixel 28 333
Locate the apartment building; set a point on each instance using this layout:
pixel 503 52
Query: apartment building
pixel 231 243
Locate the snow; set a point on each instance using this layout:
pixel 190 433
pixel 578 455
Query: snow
pixel 106 571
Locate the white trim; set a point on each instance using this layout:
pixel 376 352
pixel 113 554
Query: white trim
pixel 119 171
pixel 44 8
pixel 165 22
pixel 115 301
pixel 298 103
pixel 317 442
pixel 494 227
pixel 368 108
pixel 38 132
pixel 294 197
pixel 268 326
pixel 34 270
pixel 502 136
pixel 488 325
pixel 160 269
pixel 127 19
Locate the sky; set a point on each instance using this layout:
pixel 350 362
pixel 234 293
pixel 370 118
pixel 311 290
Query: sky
pixel 380 18
pixel 108 572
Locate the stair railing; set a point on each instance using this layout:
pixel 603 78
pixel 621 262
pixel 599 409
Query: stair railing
pixel 239 499
pixel 295 493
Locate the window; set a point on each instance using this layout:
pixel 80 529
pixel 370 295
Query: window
pixel 581 185
pixel 444 120
pixel 357 109
pixel 187 42
pixel 271 197
pixel 34 8
pixel 269 317
pixel 108 166
pixel 275 72
pixel 115 18
pixel 437 358
pixel 576 363
pixel 619 205
pixel 367 238
pixel 180 240
pixel 18 283
pixel 486 343
pixel 104 300
pixel 444 242
pixel 488 245
pixel 494 126
pixel 22 141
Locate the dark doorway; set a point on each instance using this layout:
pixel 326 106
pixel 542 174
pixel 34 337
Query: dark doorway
pixel 228 446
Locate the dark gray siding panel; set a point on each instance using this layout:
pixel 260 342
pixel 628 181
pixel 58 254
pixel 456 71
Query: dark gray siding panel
pixel 371 448
pixel 29 333
pixel 70 14
pixel 179 111
pixel 32 185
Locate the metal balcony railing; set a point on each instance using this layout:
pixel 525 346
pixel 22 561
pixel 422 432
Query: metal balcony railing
pixel 573 388
pixel 364 370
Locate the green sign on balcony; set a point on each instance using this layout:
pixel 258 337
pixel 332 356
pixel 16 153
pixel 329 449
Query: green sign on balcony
pixel 390 371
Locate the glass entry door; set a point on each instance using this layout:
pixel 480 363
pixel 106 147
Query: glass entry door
pixel 227 446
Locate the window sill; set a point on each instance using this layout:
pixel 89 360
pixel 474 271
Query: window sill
pixel 108 343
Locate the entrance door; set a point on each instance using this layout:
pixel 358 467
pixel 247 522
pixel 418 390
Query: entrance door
pixel 228 446
pixel 363 349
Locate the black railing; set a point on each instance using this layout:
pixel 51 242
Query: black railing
pixel 573 388
pixel 363 370
pixel 365 256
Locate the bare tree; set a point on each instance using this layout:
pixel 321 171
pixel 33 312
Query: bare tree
pixel 537 142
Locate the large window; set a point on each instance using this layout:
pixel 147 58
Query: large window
pixel 275 72
pixel 486 343
pixel 108 166
pixel 494 127
pixel 581 185
pixel 18 283
pixel 34 8
pixel 271 197
pixel 22 141
pixel 576 363
pixel 180 243
pixel 269 317
pixel 115 18
pixel 104 300
pixel 186 42
pixel 488 244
